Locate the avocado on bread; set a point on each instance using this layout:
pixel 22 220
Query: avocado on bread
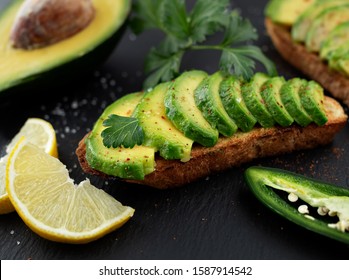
pixel 170 157
pixel 315 42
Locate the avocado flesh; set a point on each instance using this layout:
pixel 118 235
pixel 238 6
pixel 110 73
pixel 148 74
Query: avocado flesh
pixel 341 64
pixel 289 93
pixel 324 24
pixel 303 23
pixel 254 101
pixel 182 111
pixel 208 100
pixel 270 92
pixel 230 93
pixel 339 59
pixel 337 39
pixel 285 11
pixel 159 132
pixel 27 67
pixel 312 100
pixel 121 162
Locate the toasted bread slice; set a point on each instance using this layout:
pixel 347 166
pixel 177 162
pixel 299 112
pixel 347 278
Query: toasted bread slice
pixel 308 63
pixel 242 147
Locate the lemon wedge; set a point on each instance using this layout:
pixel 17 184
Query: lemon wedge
pixel 40 133
pixel 49 202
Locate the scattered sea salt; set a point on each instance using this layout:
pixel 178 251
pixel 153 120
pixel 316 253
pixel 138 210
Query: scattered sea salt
pixel 74 104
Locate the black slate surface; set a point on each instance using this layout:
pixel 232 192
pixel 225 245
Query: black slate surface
pixel 214 218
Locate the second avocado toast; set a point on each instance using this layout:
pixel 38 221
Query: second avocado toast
pixel 313 37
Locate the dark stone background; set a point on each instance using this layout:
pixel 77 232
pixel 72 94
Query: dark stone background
pixel 215 218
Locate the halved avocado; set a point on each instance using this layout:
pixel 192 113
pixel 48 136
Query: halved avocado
pixel 64 59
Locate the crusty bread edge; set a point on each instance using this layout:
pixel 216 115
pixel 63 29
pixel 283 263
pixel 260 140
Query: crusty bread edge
pixel 236 150
pixel 308 63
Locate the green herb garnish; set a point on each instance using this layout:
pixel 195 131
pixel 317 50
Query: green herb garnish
pixel 187 31
pixel 122 132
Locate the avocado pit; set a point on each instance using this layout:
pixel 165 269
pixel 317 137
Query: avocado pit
pixel 40 23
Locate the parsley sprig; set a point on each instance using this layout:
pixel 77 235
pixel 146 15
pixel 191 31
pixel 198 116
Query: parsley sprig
pixel 122 132
pixel 188 30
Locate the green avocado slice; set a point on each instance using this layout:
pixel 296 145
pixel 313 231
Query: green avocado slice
pixel 312 100
pixel 285 11
pixel 323 24
pixel 182 111
pixel 251 93
pixel 230 93
pixel 303 23
pixel 271 94
pixel 208 100
pixel 289 93
pixel 337 39
pixel 121 162
pixel 159 132
pixel 40 68
pixel 341 64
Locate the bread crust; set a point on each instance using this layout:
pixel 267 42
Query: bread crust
pixel 308 63
pixel 242 147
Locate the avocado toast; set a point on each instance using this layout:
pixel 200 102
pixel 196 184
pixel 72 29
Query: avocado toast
pixel 174 114
pixel 315 40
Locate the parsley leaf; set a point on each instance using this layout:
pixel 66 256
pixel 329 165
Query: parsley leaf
pixel 163 62
pixel 122 132
pixel 188 30
pixel 148 15
pixel 208 17
pixel 174 19
pixel 238 30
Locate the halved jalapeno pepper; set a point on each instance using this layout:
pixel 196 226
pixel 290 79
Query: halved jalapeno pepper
pixel 330 200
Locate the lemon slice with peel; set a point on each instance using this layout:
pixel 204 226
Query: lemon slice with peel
pixel 40 133
pixel 49 202
pixel 5 203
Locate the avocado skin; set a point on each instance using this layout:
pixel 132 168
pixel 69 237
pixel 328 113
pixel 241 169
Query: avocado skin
pixel 182 111
pixel 312 98
pixel 64 73
pixel 289 93
pixel 270 92
pixel 254 101
pixel 159 132
pixel 230 93
pixel 207 99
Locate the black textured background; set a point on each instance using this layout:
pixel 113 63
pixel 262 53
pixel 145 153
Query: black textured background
pixel 215 218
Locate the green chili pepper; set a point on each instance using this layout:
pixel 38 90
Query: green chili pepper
pixel 330 200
